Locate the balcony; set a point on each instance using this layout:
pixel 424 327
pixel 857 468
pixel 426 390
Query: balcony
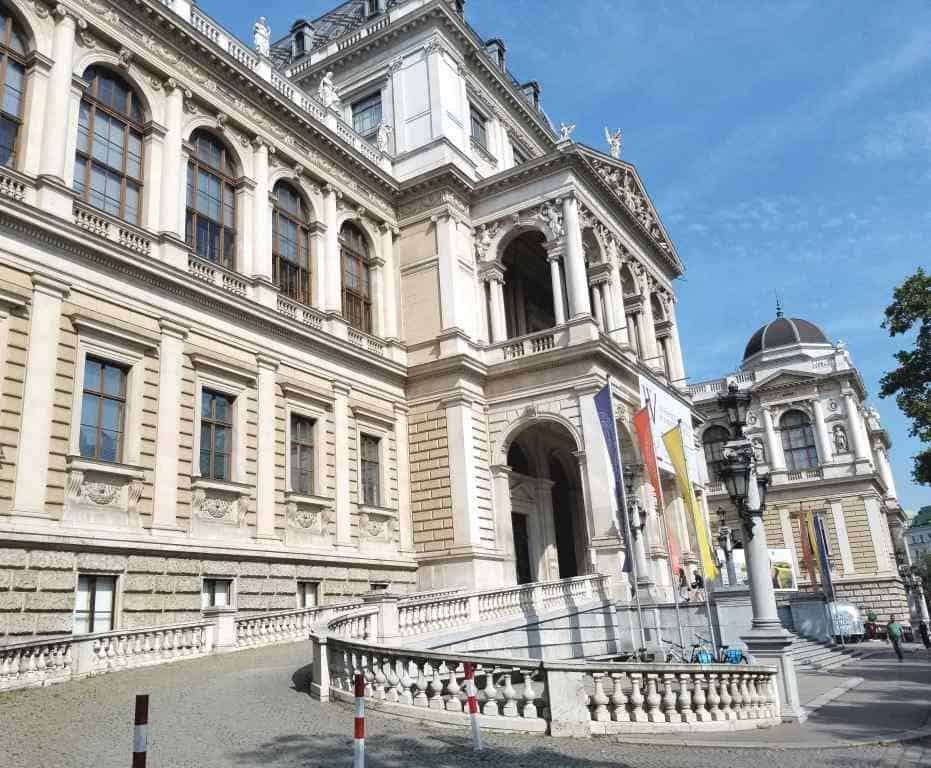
pixel 528 346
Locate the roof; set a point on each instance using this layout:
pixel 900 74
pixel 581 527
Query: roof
pixel 783 332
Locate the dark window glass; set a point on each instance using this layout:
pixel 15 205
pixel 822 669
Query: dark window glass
pixel 216 435
pixel 210 225
pixel 798 441
pixel 713 441
pixel 108 161
pixel 357 299
pixel 302 454
pixel 102 410
pixel 479 128
pixel 519 157
pixel 13 77
pixel 370 463
pixel 291 244
pixel 366 116
pixel 217 593
pixel 93 604
pixel 306 594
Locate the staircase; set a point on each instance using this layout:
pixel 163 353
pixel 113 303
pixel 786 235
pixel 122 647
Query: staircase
pixel 821 654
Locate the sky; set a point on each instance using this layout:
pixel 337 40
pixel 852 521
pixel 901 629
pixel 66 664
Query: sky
pixel 786 146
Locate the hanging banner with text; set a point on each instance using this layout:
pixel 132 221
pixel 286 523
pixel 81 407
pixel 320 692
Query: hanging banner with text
pixel 666 413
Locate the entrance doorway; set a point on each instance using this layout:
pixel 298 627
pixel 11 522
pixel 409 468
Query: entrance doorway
pixel 521 548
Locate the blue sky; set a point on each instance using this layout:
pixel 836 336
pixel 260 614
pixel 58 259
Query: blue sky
pixel 786 145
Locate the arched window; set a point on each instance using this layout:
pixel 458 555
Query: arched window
pixel 291 243
pixel 798 441
pixel 357 295
pixel 713 440
pixel 13 77
pixel 210 226
pixel 108 161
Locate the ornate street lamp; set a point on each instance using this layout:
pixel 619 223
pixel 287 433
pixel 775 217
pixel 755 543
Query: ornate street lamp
pixel 735 404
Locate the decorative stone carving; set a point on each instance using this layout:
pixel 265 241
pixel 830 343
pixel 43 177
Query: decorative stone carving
pixel 261 36
pixel 483 238
pixel 377 525
pixel 832 405
pixel 614 142
pixel 759 452
pixel 565 131
pixel 840 439
pixel 751 418
pixel 383 137
pixel 624 184
pixel 327 92
pixel 126 57
pixel 551 214
pixel 307 521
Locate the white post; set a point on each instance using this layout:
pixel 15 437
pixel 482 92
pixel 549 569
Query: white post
pixel 172 198
pixel 376 272
pixel 676 362
pixel 597 307
pixel 610 315
pixel 341 439
pixel 777 462
pixel 265 448
pixel 168 421
pixel 402 450
pixel 885 472
pixel 32 459
pixel 460 435
pixel 576 276
pixel 320 265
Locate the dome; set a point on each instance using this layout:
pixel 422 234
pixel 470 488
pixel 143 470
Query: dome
pixel 782 332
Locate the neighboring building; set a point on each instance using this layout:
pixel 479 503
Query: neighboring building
pixel 286 324
pixel 825 451
pixel 918 540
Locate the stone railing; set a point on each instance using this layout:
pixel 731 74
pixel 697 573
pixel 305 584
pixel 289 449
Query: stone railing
pixel 525 346
pixel 43 662
pixel 440 613
pixel 15 186
pixel 108 227
pixel 563 699
pixel 285 626
pixel 302 313
pixel 214 274
pixel 360 624
pixel 365 341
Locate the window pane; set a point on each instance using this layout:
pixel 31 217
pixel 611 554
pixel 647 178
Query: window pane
pixel 92 371
pixel 13 92
pixel 204 462
pixel 113 380
pixel 88 442
pixel 8 130
pixel 110 444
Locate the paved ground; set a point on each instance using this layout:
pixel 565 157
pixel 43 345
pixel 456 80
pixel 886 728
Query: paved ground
pixel 252 709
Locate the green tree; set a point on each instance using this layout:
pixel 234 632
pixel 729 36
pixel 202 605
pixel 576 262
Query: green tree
pixel 911 381
pixel 923 517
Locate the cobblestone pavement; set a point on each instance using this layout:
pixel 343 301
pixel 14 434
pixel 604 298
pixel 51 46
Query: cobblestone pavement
pixel 252 709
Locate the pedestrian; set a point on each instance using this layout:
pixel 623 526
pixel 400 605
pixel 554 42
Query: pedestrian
pixel 683 586
pixel 925 635
pixel 698 587
pixel 894 635
pixel 871 618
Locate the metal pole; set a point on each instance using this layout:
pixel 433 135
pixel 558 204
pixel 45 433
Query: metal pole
pixel 672 576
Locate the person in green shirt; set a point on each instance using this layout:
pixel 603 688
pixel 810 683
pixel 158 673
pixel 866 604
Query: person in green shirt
pixel 871 619
pixel 894 633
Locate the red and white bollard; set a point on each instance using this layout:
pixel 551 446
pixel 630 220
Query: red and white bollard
pixel 141 730
pixel 469 670
pixel 358 744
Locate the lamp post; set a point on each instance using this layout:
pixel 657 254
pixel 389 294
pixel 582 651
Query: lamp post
pixel 911 579
pixel 767 640
pixel 726 545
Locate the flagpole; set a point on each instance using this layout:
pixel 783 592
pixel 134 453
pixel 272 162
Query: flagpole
pixel 622 499
pixel 672 576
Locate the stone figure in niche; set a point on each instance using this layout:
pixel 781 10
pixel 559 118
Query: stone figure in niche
pixel 565 131
pixel 614 142
pixel 758 452
pixel 383 138
pixel 840 439
pixel 327 92
pixel 261 35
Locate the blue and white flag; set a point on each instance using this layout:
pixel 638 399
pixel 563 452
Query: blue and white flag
pixel 604 405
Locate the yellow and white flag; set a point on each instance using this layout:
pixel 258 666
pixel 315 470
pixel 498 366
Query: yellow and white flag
pixel 676 449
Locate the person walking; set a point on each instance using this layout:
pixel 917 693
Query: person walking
pixel 894 635
pixel 925 635
pixel 871 618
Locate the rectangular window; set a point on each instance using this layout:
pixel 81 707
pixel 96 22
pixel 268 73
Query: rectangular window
pixel 302 454
pixel 102 409
pixel 216 435
pixel 217 593
pixel 370 466
pixel 307 594
pixel 94 603
pixel 366 116
pixel 479 128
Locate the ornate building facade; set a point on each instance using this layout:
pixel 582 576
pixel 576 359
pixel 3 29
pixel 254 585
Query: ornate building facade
pixel 288 322
pixel 825 451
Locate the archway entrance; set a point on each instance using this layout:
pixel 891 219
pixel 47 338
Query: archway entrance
pixel 528 289
pixel 547 507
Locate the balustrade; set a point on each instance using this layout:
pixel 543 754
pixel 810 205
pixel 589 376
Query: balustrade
pixel 285 626
pixel 24 665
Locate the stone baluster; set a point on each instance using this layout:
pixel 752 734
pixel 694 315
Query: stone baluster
pixel 530 696
pixel 453 703
pixel 748 688
pixel 405 683
pixel 654 714
pixel 726 698
pixel 637 714
pixel 669 700
pixel 490 693
pixel 619 711
pixel 510 697
pixel 699 699
pixel 436 687
pixel 686 713
pixel 737 697
pixel 599 701
pixel 420 697
pixel 380 678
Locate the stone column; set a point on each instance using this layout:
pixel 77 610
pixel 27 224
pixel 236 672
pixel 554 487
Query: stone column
pixel 647 325
pixel 168 422
pixel 494 278
pixel 32 458
pixel 55 165
pixel 504 531
pixel 460 437
pixel 610 315
pixel 880 536
pixel 559 306
pixel 402 451
pixel 265 448
pixel 621 331
pixel 576 276
pixel 821 433
pixel 319 266
pixel 341 439
pixel 855 421
pixel 389 285
pixel 172 199
pixel 261 261
pixel 597 307
pixel 677 374
pixel 334 269
pixel 885 472
pixel 451 309
pixel 777 461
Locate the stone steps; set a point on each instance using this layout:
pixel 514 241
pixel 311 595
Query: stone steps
pixel 820 654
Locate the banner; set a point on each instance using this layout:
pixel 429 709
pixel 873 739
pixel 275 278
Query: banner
pixel 807 553
pixel 676 450
pixel 822 539
pixel 781 569
pixel 666 413
pixel 647 450
pixel 604 406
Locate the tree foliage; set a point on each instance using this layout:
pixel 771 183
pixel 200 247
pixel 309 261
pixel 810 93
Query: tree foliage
pixel 911 381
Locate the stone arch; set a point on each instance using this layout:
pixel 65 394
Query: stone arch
pixel 209 125
pixel 152 105
pixel 593 246
pixel 628 279
pixel 364 225
pixel 514 429
pixel 37 30
pixel 515 227
pixel 300 183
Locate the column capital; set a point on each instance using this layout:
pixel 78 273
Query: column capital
pixel 329 189
pixel 491 271
pixel 340 388
pixel 50 286
pixel 62 13
pixel 173 328
pixel 266 362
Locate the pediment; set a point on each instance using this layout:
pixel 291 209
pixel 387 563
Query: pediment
pixel 784 379
pixel 628 187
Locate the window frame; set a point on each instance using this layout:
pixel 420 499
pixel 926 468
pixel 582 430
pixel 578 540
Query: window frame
pixel 22 59
pixel 317 407
pixel 381 427
pixel 114 608
pixel 354 295
pixel 716 455
pixel 214 423
pixel 476 116
pixel 96 106
pixel 215 581
pixel 301 594
pixel 372 135
pixel 229 166
pixel 309 447
pixel 305 236
pixel 810 447
pixel 102 397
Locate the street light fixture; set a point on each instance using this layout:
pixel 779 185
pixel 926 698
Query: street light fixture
pixel 735 404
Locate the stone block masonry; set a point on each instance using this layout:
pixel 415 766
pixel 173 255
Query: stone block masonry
pixel 431 500
pixel 37 587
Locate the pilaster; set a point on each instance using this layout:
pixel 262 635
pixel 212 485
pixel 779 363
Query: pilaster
pixel 821 432
pixel 265 448
pixel 777 461
pixel 333 272
pixel 341 439
pixel 460 437
pixel 402 441
pixel 261 220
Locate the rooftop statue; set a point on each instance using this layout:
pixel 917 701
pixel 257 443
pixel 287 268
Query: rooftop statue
pixel 261 35
pixel 614 142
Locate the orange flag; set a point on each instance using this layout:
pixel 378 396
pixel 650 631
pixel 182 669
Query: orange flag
pixel 648 451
